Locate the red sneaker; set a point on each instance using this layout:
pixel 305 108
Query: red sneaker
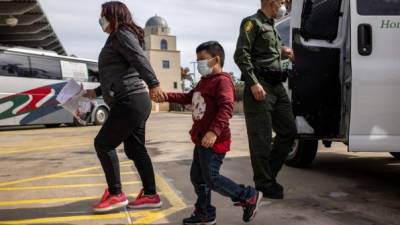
pixel 110 202
pixel 145 201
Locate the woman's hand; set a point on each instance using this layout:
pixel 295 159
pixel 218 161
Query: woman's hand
pixel 158 95
pixel 209 140
pixel 90 94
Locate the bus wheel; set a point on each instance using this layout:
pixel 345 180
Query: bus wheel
pixel 101 116
pixel 303 153
pixel 396 155
pixel 52 125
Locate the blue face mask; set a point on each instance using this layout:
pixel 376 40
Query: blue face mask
pixel 203 68
pixel 104 23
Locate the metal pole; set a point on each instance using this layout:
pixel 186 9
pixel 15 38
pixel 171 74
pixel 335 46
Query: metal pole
pixel 194 71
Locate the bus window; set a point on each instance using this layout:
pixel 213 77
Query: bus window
pixel 74 70
pixel 46 68
pixel 93 70
pixel 14 65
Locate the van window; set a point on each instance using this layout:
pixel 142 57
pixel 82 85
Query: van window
pixel 320 19
pixel 45 68
pixel 93 70
pixel 14 65
pixel 378 7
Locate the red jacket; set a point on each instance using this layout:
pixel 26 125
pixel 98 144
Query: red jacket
pixel 212 103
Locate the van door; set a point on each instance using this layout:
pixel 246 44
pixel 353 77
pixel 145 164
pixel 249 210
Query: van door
pixel 375 101
pixel 319 29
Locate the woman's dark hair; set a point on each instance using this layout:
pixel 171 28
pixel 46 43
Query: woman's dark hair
pixel 214 49
pixel 118 14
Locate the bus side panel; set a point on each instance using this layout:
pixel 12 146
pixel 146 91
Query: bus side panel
pixel 33 102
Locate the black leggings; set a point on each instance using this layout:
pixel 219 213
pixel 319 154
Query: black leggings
pixel 126 124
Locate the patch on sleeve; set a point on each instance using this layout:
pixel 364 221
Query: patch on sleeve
pixel 248 26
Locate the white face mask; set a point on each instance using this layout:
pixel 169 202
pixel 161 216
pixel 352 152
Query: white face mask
pixel 281 12
pixel 203 68
pixel 104 23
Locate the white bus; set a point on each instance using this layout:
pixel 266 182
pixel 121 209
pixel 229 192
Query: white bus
pixel 30 80
pixel 347 87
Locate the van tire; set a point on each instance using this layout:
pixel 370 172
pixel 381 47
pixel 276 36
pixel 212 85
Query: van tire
pixel 101 116
pixel 303 154
pixel 396 155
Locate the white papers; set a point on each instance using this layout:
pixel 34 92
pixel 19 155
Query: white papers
pixel 71 98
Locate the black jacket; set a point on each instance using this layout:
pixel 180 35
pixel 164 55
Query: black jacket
pixel 123 67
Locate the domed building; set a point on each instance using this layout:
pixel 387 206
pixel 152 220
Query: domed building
pixel 163 55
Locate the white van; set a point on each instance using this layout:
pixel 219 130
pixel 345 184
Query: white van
pixel 347 85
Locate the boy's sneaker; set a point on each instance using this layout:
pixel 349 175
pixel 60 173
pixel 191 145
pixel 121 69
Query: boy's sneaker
pixel 250 207
pixel 110 202
pixel 197 219
pixel 145 201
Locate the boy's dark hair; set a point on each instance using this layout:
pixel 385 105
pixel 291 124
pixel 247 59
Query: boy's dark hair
pixel 214 49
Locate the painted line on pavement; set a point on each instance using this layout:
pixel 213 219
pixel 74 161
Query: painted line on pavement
pixel 94 175
pixel 51 200
pixel 56 175
pixel 66 186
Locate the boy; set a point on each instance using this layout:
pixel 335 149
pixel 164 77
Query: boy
pixel 212 101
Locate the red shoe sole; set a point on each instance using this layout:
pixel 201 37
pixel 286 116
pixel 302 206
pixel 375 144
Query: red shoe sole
pixel 112 207
pixel 146 206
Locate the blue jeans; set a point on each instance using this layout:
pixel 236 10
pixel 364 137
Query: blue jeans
pixel 205 178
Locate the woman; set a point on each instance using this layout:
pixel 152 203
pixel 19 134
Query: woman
pixel 123 67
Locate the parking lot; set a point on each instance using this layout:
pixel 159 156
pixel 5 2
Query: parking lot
pixel 52 176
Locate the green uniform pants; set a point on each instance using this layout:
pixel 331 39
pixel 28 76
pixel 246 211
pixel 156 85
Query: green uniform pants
pixel 276 113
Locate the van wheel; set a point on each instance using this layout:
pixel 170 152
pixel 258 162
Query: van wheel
pixel 101 116
pixel 303 153
pixel 396 155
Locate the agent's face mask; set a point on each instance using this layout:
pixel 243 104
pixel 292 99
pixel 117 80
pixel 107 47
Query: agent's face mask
pixel 281 12
pixel 104 23
pixel 203 67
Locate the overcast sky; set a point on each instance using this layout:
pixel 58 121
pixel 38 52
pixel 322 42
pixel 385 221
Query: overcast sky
pixel 192 21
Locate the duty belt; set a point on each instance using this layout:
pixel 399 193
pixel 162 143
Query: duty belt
pixel 272 77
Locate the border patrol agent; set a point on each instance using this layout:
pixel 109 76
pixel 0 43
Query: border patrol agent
pixel 266 103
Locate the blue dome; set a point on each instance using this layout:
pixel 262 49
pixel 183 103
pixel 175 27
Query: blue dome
pixel 156 21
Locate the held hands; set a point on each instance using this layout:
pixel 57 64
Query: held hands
pixel 158 95
pixel 258 92
pixel 209 140
pixel 288 52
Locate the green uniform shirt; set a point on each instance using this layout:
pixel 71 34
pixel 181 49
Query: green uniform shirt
pixel 258 46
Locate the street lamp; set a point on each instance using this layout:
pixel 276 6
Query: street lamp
pixel 194 70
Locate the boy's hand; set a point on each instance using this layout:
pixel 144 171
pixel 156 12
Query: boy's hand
pixel 209 140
